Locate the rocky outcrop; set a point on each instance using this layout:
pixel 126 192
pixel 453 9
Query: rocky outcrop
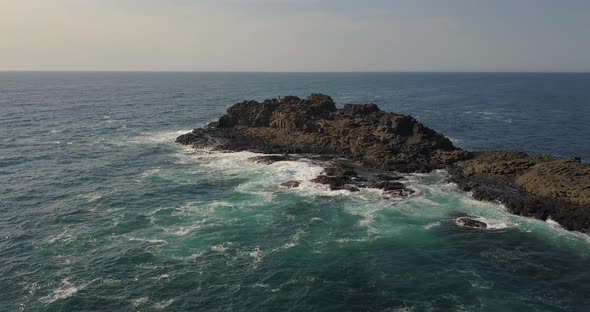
pixel 534 186
pixel 314 125
pixel 540 187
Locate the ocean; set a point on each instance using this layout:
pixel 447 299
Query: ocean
pixel 101 211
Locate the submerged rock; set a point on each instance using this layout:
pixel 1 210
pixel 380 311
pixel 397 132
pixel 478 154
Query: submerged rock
pixel 291 184
pixel 269 159
pixel 470 223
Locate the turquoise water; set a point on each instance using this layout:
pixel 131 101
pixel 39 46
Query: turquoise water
pixel 101 211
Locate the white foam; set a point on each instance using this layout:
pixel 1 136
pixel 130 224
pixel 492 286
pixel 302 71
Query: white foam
pixel 403 309
pixel 256 254
pixel 219 248
pixel 553 223
pixel 150 172
pixel 163 304
pixel 353 240
pixel 163 276
pixel 491 224
pixel 150 241
pixel 157 137
pixel 431 225
pixel 140 301
pixel 91 197
pixel 65 290
pixel 64 237
pixel 185 230
pixel 194 256
pixel 494 224
pixel 289 245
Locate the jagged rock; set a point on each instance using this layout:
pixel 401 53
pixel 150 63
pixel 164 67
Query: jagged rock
pixel 339 171
pixel 335 183
pixel 386 177
pixel 398 193
pixel 314 125
pixel 269 159
pixel 350 188
pixel 390 186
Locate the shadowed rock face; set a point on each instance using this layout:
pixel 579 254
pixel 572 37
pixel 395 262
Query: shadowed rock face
pixel 314 125
pixel 535 186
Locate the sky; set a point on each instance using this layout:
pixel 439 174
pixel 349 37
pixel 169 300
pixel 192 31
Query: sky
pixel 295 35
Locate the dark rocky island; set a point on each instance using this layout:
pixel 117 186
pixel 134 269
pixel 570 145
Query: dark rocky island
pixel 363 146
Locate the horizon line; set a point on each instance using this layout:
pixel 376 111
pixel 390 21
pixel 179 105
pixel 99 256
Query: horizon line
pixel 293 72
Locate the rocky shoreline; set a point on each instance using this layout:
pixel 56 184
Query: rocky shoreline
pixel 364 146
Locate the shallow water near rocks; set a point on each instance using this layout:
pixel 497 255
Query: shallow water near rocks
pixel 101 211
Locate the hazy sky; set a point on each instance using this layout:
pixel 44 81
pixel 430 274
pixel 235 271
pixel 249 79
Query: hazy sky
pixel 295 35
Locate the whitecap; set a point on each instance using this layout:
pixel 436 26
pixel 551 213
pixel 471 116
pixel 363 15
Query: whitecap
pixel 404 308
pixel 150 241
pixel 494 224
pixel 65 290
pixel 163 304
pixel 352 240
pixel 64 237
pixel 150 172
pixel 91 197
pixel 221 248
pixel 140 301
pixel 157 137
pixel 454 140
pixel 431 225
pixel 490 224
pixel 289 245
pixel 256 254
pixel 553 223
pixel 161 277
pixel 185 230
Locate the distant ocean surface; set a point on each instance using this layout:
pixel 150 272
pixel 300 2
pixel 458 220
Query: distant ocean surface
pixel 101 211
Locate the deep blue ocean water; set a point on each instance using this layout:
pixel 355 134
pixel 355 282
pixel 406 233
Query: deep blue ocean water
pixel 101 211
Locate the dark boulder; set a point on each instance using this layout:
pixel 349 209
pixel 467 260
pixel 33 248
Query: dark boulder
pixel 335 183
pixel 390 186
pixel 386 177
pixel 467 222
